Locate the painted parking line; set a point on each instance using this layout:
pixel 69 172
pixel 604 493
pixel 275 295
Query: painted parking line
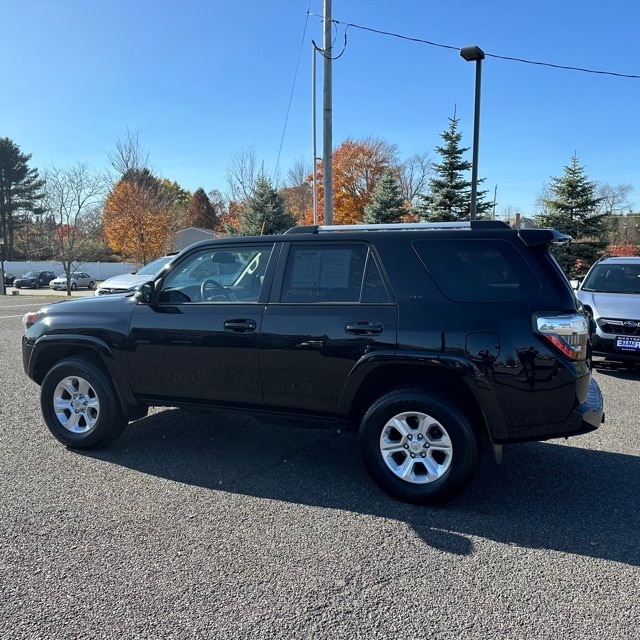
pixel 5 317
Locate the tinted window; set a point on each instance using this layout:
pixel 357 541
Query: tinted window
pixel 478 270
pixel 332 273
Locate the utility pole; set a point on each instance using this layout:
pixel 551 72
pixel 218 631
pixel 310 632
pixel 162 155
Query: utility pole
pixel 313 133
pixel 327 115
pixel 495 193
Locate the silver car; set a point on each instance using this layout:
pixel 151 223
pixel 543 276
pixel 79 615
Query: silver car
pixel 127 282
pixel 78 279
pixel 610 293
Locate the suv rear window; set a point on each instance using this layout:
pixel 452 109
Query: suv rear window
pixel 478 270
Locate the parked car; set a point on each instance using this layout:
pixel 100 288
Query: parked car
pixel 610 294
pixel 8 279
pixel 34 279
pixel 77 279
pixel 427 338
pixel 127 282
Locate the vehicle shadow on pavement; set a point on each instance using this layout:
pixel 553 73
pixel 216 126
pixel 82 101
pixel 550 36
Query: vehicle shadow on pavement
pixel 544 495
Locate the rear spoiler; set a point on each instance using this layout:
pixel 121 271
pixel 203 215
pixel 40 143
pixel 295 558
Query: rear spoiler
pixel 533 237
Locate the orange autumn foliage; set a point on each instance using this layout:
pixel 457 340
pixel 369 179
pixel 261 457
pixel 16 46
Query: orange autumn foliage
pixel 136 223
pixel 358 165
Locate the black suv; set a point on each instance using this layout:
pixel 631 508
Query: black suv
pixel 427 337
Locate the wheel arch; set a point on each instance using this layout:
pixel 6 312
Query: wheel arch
pixel 449 380
pixel 49 350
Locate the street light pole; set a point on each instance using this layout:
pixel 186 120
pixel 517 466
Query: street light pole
pixel 471 54
pixel 3 291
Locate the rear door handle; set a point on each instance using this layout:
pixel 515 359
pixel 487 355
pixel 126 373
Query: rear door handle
pixel 240 326
pixel 364 328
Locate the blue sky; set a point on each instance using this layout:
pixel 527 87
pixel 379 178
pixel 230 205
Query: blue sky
pixel 203 80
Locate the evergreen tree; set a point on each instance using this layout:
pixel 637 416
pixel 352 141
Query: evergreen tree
pixel 265 211
pixel 20 189
pixel 387 204
pixel 449 199
pixel 571 207
pixel 200 213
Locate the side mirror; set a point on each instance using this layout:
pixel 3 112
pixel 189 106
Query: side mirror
pixel 144 293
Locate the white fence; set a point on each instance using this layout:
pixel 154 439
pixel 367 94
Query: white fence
pixel 98 270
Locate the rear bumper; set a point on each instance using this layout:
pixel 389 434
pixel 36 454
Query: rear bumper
pixel 592 411
pixel 584 418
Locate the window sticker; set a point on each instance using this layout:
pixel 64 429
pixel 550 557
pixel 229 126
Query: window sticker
pixel 318 268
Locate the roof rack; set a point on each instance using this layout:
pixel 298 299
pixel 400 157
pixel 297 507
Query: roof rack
pixel 401 226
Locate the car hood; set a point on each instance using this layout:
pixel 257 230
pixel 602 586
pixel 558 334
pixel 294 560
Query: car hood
pixel 61 279
pixel 108 316
pixel 125 281
pixel 612 305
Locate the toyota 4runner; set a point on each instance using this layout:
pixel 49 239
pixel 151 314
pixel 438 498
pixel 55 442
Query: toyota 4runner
pixel 426 337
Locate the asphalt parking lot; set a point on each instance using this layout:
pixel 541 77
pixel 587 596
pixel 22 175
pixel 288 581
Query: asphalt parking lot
pixel 193 526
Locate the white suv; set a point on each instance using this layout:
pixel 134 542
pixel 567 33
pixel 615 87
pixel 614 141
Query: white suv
pixel 610 293
pixel 127 282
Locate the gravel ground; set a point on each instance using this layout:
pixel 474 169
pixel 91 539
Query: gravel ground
pixel 218 526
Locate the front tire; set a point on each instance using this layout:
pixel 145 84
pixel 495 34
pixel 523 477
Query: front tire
pixel 418 447
pixel 79 404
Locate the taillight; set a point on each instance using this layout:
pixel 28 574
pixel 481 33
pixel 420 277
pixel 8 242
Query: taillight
pixel 568 333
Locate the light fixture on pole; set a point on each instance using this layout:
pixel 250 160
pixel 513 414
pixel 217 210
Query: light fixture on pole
pixel 475 54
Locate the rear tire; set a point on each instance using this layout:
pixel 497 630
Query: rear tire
pixel 418 447
pixel 74 286
pixel 79 404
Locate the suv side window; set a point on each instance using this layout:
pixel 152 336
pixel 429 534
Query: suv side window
pixel 332 273
pixel 218 274
pixel 478 270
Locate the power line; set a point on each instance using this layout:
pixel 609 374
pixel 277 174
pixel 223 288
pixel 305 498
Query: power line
pixel 347 25
pixel 295 76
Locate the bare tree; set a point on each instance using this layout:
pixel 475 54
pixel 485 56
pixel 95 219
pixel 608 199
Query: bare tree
pixel 298 192
pixel 72 198
pixel 413 176
pixel 542 200
pixel 242 174
pixel 614 199
pixel 128 154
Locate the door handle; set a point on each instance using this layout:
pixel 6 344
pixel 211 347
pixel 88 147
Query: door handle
pixel 311 344
pixel 364 328
pixel 240 326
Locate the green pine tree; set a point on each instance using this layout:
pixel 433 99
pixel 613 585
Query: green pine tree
pixel 387 204
pixel 265 212
pixel 571 208
pixel 20 191
pixel 449 199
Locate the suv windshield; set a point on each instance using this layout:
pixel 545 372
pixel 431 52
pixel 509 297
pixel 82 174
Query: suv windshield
pixel 613 278
pixel 152 268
